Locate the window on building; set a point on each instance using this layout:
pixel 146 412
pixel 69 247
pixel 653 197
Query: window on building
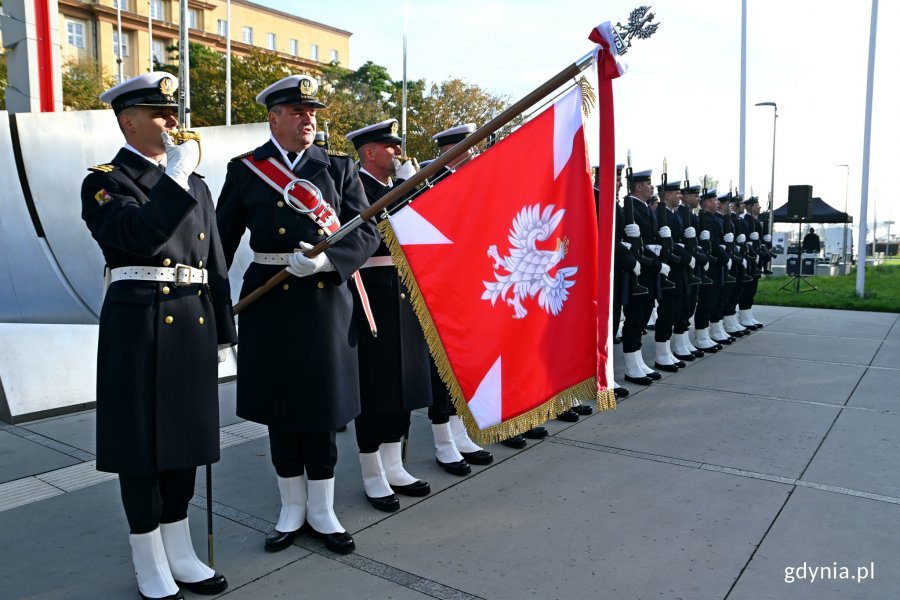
pixel 270 41
pixel 123 46
pixel 334 56
pixel 75 31
pixel 247 35
pixel 293 47
pixel 222 27
pixel 159 51
pixel 314 51
pixel 193 18
pixel 123 4
pixel 156 10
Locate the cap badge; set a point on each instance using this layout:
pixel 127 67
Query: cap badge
pixel 166 86
pixel 306 87
pixel 394 128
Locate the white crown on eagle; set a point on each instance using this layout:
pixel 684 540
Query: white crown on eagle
pixel 528 268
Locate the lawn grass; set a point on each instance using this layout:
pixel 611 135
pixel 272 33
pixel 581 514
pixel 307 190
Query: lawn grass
pixel 882 291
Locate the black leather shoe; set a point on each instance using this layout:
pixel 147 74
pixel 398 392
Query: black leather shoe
pixel 479 457
pixel 617 340
pixel 712 349
pixel 639 380
pixel 666 368
pixel 536 433
pixel 342 429
pixel 687 357
pixel 176 596
pixel 680 364
pixel 654 375
pixel 569 416
pixel 583 409
pixel 698 353
pixel 460 468
pixel 278 541
pixel 726 341
pixel 385 503
pixel 621 392
pixel 516 441
pixel 208 587
pixel 417 489
pixel 651 328
pixel 339 543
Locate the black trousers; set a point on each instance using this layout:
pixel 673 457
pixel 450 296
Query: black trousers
pixel 637 314
pixel 721 301
pixel 294 452
pixel 618 279
pixel 374 430
pixel 707 305
pixel 748 294
pixel 687 309
pixel 667 313
pixel 154 498
pixel 441 408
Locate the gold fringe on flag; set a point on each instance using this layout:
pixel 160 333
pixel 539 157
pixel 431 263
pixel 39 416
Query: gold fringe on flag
pixel 586 390
pixel 588 97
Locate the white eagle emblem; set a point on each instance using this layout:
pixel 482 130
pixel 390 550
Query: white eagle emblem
pixel 528 267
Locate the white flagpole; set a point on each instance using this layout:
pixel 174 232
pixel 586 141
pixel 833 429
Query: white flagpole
pixel 743 135
pixel 228 63
pixel 184 61
pixel 867 142
pixel 403 112
pixel 150 30
pixel 119 48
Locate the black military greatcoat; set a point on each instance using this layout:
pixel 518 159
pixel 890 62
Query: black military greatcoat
pixel 297 358
pixel 679 268
pixel 646 220
pixel 157 372
pixel 394 369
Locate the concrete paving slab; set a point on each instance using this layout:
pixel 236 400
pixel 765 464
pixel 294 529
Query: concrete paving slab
pixel 860 453
pixel 888 355
pixel 78 430
pixel 717 428
pixel 611 527
pixel 894 335
pixel 840 323
pixel 823 529
pixel 769 314
pixel 75 547
pixel 767 342
pixel 730 371
pixel 878 389
pixel 317 578
pixel 20 458
pixel 228 404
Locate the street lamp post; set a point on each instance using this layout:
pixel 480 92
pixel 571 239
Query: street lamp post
pixel 772 188
pixel 846 189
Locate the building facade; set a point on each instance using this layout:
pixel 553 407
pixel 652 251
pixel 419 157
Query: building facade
pixel 88 29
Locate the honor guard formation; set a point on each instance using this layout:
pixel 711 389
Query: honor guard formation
pixel 337 340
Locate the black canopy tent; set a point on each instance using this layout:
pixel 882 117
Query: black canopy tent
pixel 822 212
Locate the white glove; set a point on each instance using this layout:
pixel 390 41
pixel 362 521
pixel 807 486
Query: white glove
pixel 744 262
pixel 223 354
pixel 664 269
pixel 741 239
pixel 767 238
pixel 706 267
pixel 754 236
pixel 637 269
pixel 626 244
pixel 632 230
pixel 729 237
pixel 654 248
pixel 405 169
pixel 665 232
pixel 181 159
pixel 728 264
pixel 693 263
pixel 704 235
pixel 690 233
pixel 301 266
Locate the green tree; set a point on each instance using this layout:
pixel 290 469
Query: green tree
pixel 3 79
pixel 83 81
pixel 354 99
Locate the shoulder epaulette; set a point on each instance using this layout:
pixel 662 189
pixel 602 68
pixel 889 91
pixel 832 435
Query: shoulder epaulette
pixel 337 153
pixel 244 155
pixel 103 168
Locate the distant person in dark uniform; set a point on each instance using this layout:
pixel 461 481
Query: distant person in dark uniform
pixel 394 369
pixel 167 309
pixel 298 369
pixel 711 240
pixel 758 252
pixel 811 243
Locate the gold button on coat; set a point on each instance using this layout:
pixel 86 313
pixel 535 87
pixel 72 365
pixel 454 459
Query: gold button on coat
pixel 321 232
pixel 280 204
pixel 282 230
pixel 321 284
pixel 200 264
pixel 166 262
pixel 402 296
pixel 169 320
pixel 166 289
pixel 202 236
pixel 199 292
pixel 285 287
pixel 201 320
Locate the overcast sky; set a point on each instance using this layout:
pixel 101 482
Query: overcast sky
pixel 681 96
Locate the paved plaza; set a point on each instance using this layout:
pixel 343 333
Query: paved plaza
pixel 768 470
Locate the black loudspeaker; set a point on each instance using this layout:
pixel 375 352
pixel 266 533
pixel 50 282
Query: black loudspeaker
pixel 799 201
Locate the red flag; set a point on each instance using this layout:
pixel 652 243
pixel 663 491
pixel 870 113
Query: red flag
pixel 501 259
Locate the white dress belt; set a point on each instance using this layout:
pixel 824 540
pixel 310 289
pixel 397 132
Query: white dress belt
pixel 272 258
pixel 378 261
pixel 178 275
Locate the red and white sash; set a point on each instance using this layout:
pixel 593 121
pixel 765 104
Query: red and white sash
pixel 279 178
